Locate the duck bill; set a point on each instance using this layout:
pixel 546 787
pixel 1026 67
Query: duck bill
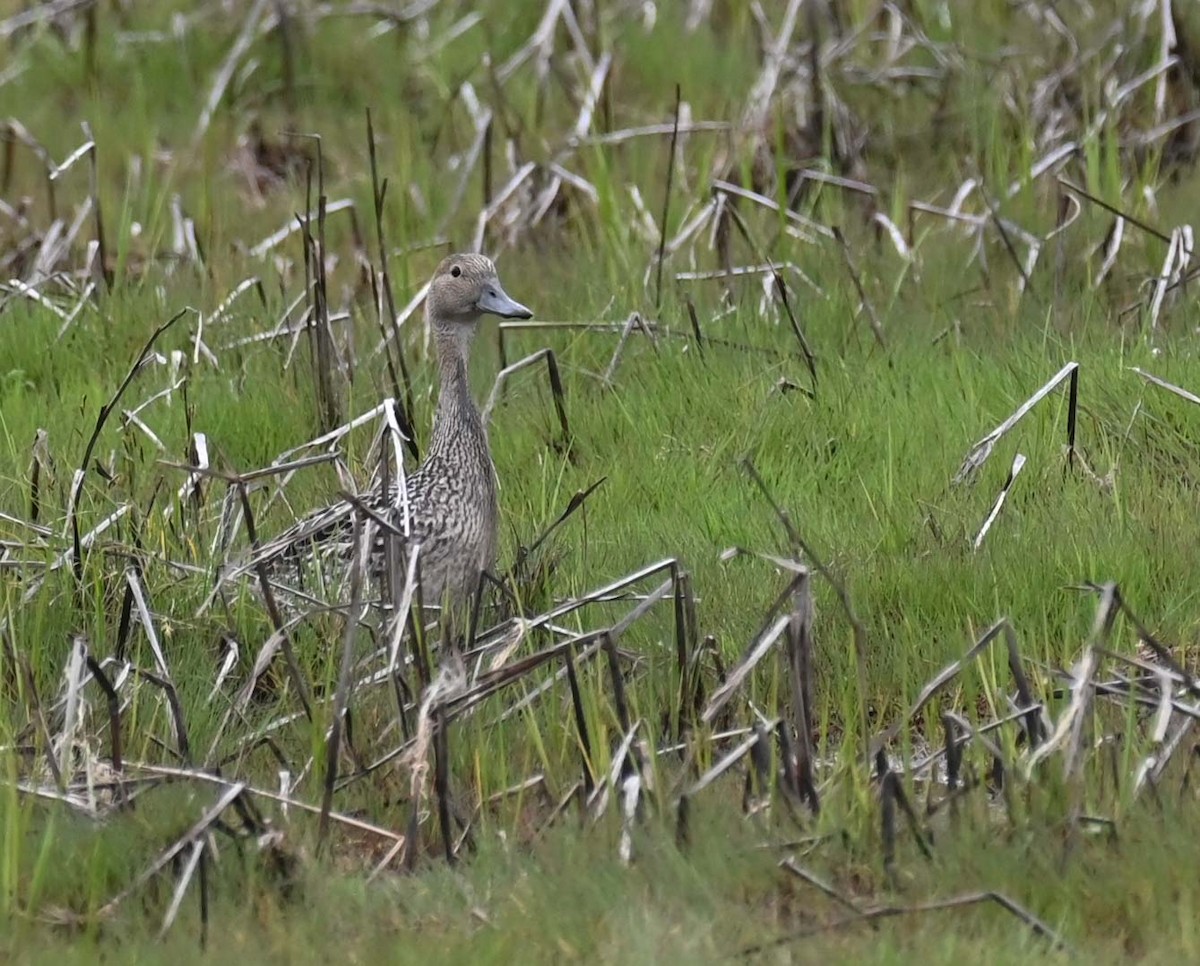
pixel 495 301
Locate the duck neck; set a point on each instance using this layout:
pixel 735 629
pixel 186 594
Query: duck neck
pixel 456 416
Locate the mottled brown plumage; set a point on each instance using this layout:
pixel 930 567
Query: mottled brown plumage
pixel 452 508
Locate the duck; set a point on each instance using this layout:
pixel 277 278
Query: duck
pixel 452 507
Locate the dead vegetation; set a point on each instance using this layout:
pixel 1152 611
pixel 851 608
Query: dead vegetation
pixel 677 723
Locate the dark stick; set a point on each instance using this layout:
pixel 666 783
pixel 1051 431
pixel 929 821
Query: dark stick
pixel 441 780
pixel 306 244
pixel 589 781
pixel 556 389
pixel 758 775
pixel 125 624
pixel 696 333
pixel 887 813
pixel 799 663
pixel 1033 721
pixel 94 184
pixel 953 753
pixel 1039 928
pixel 35 477
pixel 325 360
pixel 662 235
pixel 682 823
pixel 576 501
pixel 556 393
pixel 277 621
pixel 90 29
pixel 38 714
pixel 385 337
pixel 868 307
pixel 809 359
pixel 378 193
pixel 618 680
pixel 411 838
pixel 114 710
pixel 487 163
pixel 805 348
pixel 184 750
pixel 341 699
pixel 684 710
pixel 1113 210
pixel 203 870
pixel 860 631
pixel 1072 410
pixel 105 411
pixel 10 153
pixel 286 40
pixel 1008 244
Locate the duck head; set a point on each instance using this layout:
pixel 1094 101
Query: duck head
pixel 465 287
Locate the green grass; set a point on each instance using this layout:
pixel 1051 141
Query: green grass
pixel 862 464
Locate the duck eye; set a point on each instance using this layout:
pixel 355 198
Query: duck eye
pixel 456 271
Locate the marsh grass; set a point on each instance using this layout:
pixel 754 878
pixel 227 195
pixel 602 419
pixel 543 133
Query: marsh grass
pixel 498 832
